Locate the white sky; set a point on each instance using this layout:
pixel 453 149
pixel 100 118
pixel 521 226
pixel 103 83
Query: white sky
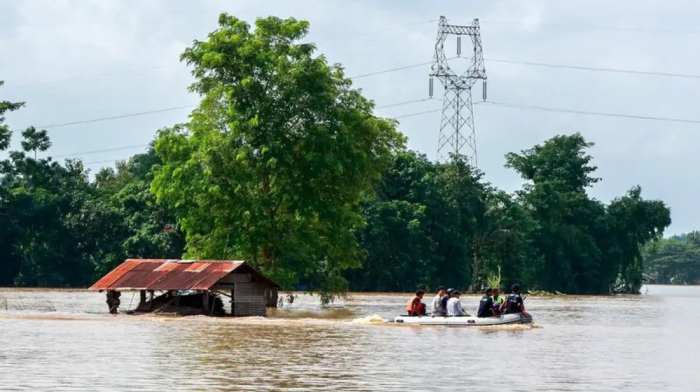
pixel 79 60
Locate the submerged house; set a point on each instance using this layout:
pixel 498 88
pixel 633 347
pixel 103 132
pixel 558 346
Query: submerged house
pixel 189 286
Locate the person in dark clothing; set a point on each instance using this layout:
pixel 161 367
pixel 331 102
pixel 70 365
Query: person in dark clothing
pixel 486 305
pixel 514 302
pixel 446 297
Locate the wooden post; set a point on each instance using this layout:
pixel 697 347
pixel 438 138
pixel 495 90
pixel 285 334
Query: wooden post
pixel 113 301
pixel 233 302
pixel 150 302
pixel 142 299
pixel 205 301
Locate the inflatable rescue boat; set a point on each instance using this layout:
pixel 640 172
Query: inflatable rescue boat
pixel 512 318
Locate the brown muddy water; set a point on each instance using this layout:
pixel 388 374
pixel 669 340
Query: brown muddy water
pixel 65 341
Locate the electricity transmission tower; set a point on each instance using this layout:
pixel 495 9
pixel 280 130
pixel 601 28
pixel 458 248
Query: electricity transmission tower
pixel 457 132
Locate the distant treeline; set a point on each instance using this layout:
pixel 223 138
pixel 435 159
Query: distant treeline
pixel 674 260
pixel 284 164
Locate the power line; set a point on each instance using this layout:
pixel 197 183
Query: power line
pixel 98 162
pixel 425 112
pixel 112 117
pixel 591 113
pixel 406 103
pixel 577 67
pixel 191 106
pixel 143 145
pixel 490 103
pixel 168 110
pixel 418 114
pixel 613 70
pixel 100 151
pixel 400 68
pixel 389 70
pixel 593 27
pixel 146 145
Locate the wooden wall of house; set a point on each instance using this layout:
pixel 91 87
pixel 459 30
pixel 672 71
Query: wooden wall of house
pixel 248 295
pixel 249 299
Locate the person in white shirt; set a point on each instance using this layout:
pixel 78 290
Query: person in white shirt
pixel 454 306
pixel 438 309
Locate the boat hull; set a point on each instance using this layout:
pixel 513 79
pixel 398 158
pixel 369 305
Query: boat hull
pixel 467 321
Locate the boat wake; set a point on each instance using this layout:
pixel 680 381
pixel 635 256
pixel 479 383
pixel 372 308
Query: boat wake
pixel 508 327
pixel 371 319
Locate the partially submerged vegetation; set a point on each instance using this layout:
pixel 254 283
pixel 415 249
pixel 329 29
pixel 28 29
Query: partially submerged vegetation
pixel 674 260
pixel 284 164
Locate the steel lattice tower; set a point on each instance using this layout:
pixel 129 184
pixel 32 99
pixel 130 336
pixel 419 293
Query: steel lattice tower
pixel 456 129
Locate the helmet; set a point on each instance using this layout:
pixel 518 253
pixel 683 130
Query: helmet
pixel 450 291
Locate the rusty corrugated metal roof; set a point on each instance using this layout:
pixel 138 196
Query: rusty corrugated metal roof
pixel 162 275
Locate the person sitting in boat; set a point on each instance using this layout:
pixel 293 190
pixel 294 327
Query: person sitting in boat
pixel 497 300
pixel 454 306
pixel 486 305
pixel 514 302
pixel 438 304
pixel 415 307
pixel 446 297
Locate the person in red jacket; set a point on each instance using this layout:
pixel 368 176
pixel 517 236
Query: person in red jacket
pixel 415 307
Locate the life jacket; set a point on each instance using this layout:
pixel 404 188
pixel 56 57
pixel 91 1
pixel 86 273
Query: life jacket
pixel 498 299
pixel 485 306
pixel 513 303
pixel 418 309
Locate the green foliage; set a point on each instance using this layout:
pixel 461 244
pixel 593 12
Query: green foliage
pixel 35 140
pixel 5 133
pixel 631 222
pixel 587 248
pixel 674 260
pixel 561 160
pixel 494 279
pixel 440 224
pixel 274 162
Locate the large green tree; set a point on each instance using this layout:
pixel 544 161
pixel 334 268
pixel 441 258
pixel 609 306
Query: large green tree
pixel 631 222
pixel 673 260
pixel 587 248
pixel 276 158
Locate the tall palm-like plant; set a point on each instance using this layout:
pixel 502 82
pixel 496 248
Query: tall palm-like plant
pixel 494 280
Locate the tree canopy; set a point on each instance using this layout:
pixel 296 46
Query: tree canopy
pixel 274 162
pixel 674 260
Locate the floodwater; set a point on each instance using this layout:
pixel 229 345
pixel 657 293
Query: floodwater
pixel 64 340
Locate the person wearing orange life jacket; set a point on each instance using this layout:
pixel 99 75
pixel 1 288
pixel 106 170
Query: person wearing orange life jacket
pixel 415 307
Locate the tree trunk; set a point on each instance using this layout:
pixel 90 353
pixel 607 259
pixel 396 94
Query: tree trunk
pixel 475 272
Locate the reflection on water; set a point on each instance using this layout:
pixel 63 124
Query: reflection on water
pixel 64 340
